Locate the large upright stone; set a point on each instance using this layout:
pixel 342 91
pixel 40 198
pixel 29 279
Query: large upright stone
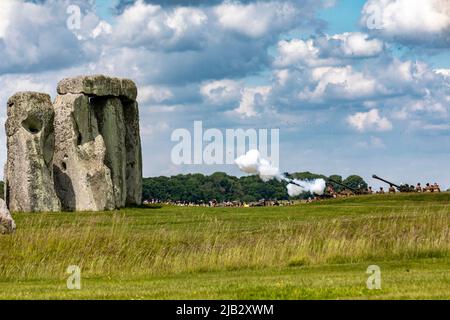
pixel 82 179
pixel 111 124
pixel 113 102
pixel 7 224
pixel 134 153
pixel 30 143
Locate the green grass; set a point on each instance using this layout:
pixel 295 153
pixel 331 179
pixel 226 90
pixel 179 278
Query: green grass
pixel 314 251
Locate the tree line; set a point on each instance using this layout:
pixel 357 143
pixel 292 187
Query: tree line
pixel 222 187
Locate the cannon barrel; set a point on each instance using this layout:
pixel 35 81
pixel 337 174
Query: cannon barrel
pixel 294 183
pixel 332 181
pixel 343 185
pixel 385 181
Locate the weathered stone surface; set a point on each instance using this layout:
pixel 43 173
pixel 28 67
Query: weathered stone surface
pixel 100 86
pixel 7 224
pixel 134 153
pixel 128 89
pixel 30 143
pixel 82 180
pixel 81 154
pixel 111 125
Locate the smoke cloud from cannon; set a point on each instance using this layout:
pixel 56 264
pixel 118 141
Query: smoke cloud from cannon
pixel 253 163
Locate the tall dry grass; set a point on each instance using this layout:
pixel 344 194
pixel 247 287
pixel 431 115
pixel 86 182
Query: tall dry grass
pixel 113 245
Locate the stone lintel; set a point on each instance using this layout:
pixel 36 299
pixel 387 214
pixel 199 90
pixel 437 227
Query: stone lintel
pixel 99 85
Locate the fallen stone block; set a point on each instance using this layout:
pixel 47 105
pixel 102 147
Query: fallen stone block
pixel 7 224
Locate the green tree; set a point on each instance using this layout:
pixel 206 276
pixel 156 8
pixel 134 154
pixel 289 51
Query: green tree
pixel 2 189
pixel 307 176
pixel 337 178
pixel 356 182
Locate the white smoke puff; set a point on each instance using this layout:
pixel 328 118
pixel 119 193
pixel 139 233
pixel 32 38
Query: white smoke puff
pixel 267 171
pixel 315 187
pixel 318 187
pixel 249 163
pixel 252 163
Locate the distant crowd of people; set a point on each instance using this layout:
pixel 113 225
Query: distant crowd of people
pixel 418 188
pixel 215 203
pixel 428 188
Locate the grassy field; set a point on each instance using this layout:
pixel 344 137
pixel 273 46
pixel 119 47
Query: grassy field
pixel 314 251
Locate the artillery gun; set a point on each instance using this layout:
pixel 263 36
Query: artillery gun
pixel 401 188
pixel 343 185
pixel 353 190
pixel 350 190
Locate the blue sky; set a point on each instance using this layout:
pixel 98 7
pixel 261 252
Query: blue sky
pixel 342 17
pixel 348 98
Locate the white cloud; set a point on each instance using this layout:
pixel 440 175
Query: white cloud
pixel 443 72
pixel 357 45
pixel 256 19
pixel 327 50
pixel 139 21
pixel 154 27
pixel 342 83
pixel 409 20
pixel 34 37
pixel 103 28
pixel 91 26
pixel 150 130
pixel 301 52
pixel 221 91
pixel 154 94
pixel 369 121
pixel 408 78
pixel 430 106
pixel 179 45
pixel 253 101
pixel 6 6
pixel 183 19
pixel 10 84
pixel 281 76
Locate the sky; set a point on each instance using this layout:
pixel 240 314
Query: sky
pixel 354 86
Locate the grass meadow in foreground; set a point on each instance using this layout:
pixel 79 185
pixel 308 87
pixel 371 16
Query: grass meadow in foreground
pixel 314 251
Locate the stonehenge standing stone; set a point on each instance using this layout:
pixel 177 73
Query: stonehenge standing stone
pixel 30 143
pixel 82 180
pixel 83 153
pixel 111 124
pixel 134 153
pixel 109 116
pixel 7 224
